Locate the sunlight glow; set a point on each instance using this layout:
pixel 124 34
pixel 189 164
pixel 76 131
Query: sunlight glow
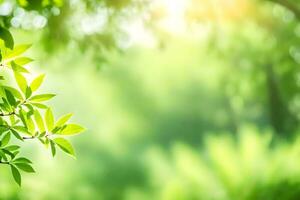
pixel 174 20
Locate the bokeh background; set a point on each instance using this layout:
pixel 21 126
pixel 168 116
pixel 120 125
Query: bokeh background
pixel 182 99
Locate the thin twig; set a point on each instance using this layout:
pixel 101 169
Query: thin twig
pixel 28 138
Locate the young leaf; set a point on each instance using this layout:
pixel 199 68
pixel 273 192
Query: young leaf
pixel 30 125
pixel 39 120
pixel 41 97
pixel 16 174
pixel 71 129
pixel 49 118
pixel 18 68
pixel 21 81
pixel 36 83
pixel 62 120
pixel 39 105
pixel 17 51
pixel 64 145
pixel 23 60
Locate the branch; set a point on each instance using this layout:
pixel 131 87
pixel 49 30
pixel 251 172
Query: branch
pixel 7 114
pixel 28 138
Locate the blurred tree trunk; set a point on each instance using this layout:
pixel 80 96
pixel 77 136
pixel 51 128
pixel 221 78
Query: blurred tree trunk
pixel 281 119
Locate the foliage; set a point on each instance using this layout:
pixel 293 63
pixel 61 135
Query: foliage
pixel 168 120
pixel 24 114
pixel 228 167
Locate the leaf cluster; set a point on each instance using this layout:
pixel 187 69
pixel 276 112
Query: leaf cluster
pixel 24 114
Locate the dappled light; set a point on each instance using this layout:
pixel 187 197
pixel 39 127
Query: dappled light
pixel 175 100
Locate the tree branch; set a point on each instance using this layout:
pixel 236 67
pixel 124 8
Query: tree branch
pixel 7 114
pixel 28 138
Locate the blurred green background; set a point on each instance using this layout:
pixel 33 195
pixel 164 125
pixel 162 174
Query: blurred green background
pixel 182 99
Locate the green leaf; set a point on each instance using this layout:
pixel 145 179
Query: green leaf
pixel 41 97
pixel 5 140
pixel 36 83
pixel 10 98
pixel 16 134
pixel 17 51
pixel 12 147
pixel 49 118
pixel 6 106
pixel 16 174
pixel 71 129
pixel 21 129
pixel 62 120
pixel 22 160
pixel 25 167
pixel 39 120
pixel 28 92
pixel 23 117
pixel 23 60
pixel 21 81
pixel 53 149
pixel 18 68
pixel 39 105
pixel 30 125
pixel 64 145
pixel 15 92
pixel 6 36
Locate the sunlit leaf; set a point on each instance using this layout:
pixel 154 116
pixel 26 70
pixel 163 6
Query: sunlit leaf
pixel 23 60
pixel 71 129
pixel 21 81
pixel 36 83
pixel 64 145
pixel 17 51
pixel 49 118
pixel 18 68
pixel 41 97
pixel 63 119
pixel 39 120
